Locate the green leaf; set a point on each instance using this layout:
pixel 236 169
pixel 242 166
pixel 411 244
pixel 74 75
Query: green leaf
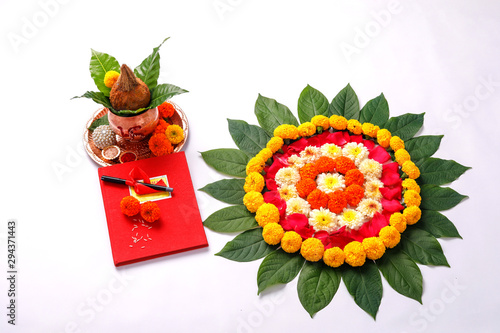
pixel 317 285
pixel 97 97
pixel 375 111
pixel 247 246
pixel 439 198
pixel 100 63
pixel 437 224
pixel 249 138
pixel 402 274
pixel 422 247
pixel 345 104
pixel 365 285
pixel 226 190
pixel 149 70
pixel 278 267
pixel 423 146
pixel 438 171
pixel 231 219
pixel 98 122
pixel 232 162
pixel 311 103
pixel 271 114
pixel 162 92
pixel 405 126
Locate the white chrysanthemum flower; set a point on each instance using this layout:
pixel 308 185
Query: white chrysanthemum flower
pixel 331 150
pixel 310 154
pixel 328 182
pixel 350 218
pixel 372 189
pixel 287 176
pixel 356 152
pixel 298 205
pixel 368 207
pixel 323 219
pixel 296 161
pixel 287 192
pixel 371 169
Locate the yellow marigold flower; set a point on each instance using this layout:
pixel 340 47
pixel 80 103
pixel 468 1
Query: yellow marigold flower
pixel 254 182
pixel 398 221
pixel 368 129
pixel 338 122
pixel 306 129
pixel 354 126
pixel 355 255
pixel 321 121
pixel 396 143
pixel 286 131
pixel 265 154
pixel 253 200
pixel 412 214
pixel 410 184
pixel 275 144
pixel 412 198
pixel 402 156
pixel 374 248
pixel 410 169
pixel 384 138
pixel 312 249
pixel 175 134
pixel 110 78
pixel 267 213
pixel 272 233
pixel 390 236
pixel 291 242
pixel 256 164
pixel 334 257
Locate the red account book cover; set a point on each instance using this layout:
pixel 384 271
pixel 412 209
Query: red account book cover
pixel 179 228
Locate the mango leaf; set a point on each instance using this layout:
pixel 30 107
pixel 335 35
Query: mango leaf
pixel 226 190
pixel 439 198
pixel 345 104
pixel 278 267
pixel 249 138
pixel 438 171
pixel 97 97
pixel 422 247
pixel 311 103
pixel 100 63
pixel 375 111
pixel 437 224
pixel 423 146
pixel 232 162
pixel 365 285
pixel 405 126
pixel 317 286
pixel 98 122
pixel 271 114
pixel 402 274
pixel 149 69
pixel 231 219
pixel 162 92
pixel 247 246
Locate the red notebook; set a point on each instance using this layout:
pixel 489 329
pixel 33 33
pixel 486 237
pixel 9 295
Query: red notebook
pixel 179 228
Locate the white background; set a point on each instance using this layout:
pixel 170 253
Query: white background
pixel 438 57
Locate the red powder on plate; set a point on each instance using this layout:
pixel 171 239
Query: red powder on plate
pixel 128 157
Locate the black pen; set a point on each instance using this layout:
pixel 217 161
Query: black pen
pixel 128 182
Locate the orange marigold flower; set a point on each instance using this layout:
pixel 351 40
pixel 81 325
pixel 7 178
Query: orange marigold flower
pixel 410 184
pixel 256 164
pixel 174 134
pixel 396 143
pixel 267 213
pixel 384 138
pixel 344 164
pixel 286 131
pixel 275 144
pixel 318 199
pixel 412 198
pixel 390 236
pixel 265 154
pixel 402 156
pixel 110 78
pixel 253 200
pixel 369 129
pixel 321 121
pixel 334 257
pixel 130 206
pixel 354 194
pixel 338 122
pixel 325 164
pixel 166 110
pixel 374 248
pixel 412 214
pixel 355 255
pixel 308 171
pixel 354 176
pixel 354 126
pixel 305 186
pixel 291 242
pixel 272 233
pixel 337 201
pixel 161 127
pixel 398 221
pixel 410 169
pixel 254 182
pixel 150 211
pixel 159 145
pixel 312 249
pixel 306 129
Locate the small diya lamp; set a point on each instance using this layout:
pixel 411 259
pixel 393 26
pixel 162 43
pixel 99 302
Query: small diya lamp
pixel 111 152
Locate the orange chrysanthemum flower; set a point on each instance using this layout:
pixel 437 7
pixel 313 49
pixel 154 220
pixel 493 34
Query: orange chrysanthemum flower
pixel 305 186
pixel 354 194
pixel 166 110
pixel 161 127
pixel 325 164
pixel 308 171
pixel 354 176
pixel 159 145
pixel 318 199
pixel 344 164
pixel 130 206
pixel 150 211
pixel 337 201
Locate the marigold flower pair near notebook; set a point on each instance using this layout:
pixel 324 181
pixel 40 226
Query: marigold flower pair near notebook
pixel 149 210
